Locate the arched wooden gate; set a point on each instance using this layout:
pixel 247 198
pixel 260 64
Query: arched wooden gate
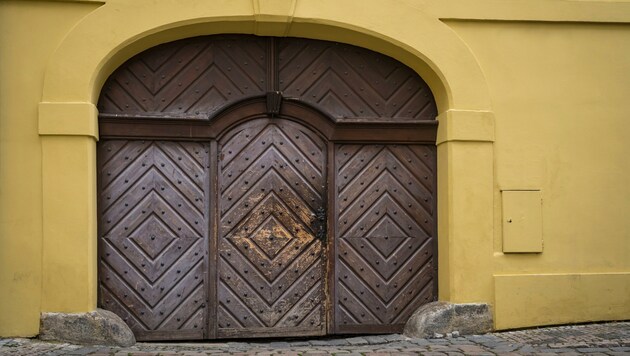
pixel 253 186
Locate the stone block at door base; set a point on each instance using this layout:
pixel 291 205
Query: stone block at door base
pixel 99 327
pixel 442 318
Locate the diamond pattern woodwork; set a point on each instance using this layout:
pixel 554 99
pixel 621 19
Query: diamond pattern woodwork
pixel 384 235
pixel 349 82
pixel 153 233
pixel 227 237
pixel 190 78
pixel 270 268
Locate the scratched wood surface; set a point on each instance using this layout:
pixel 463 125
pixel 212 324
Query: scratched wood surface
pixel 270 266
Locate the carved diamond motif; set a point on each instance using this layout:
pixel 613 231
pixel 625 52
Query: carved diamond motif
pixel 271 237
pixel 153 236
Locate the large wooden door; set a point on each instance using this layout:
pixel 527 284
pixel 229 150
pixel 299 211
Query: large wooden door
pixel 272 186
pixel 256 186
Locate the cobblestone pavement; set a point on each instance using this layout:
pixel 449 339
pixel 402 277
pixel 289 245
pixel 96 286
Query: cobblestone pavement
pixel 591 339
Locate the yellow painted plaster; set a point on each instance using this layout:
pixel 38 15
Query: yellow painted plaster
pixel 29 33
pixel 465 125
pixel 69 208
pixel 273 17
pixel 73 119
pixel 559 94
pixel 465 239
pixel 560 298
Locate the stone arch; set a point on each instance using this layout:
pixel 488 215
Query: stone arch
pixel 89 53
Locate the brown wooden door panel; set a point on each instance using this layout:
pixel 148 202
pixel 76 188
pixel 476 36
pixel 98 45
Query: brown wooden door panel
pixel 270 264
pixel 191 78
pixel 153 236
pixel 352 82
pixel 385 217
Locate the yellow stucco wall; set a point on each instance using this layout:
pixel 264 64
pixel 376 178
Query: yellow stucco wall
pixel 559 92
pixel 531 97
pixel 29 33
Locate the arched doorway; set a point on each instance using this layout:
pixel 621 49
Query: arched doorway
pixel 253 186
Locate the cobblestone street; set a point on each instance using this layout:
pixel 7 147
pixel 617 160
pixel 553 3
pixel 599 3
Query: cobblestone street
pixel 591 339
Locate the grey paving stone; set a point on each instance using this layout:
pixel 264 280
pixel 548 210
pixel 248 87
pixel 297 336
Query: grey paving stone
pixel 299 343
pixel 394 337
pixel 416 349
pixel 593 349
pixel 567 345
pixel 356 341
pixel 460 341
pixel 279 345
pixel 438 341
pixel 372 339
pixel 340 351
pixel 527 349
pixel 86 350
pixel 53 353
pixel 556 350
pixel 506 348
pixel 318 342
pixel 338 342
